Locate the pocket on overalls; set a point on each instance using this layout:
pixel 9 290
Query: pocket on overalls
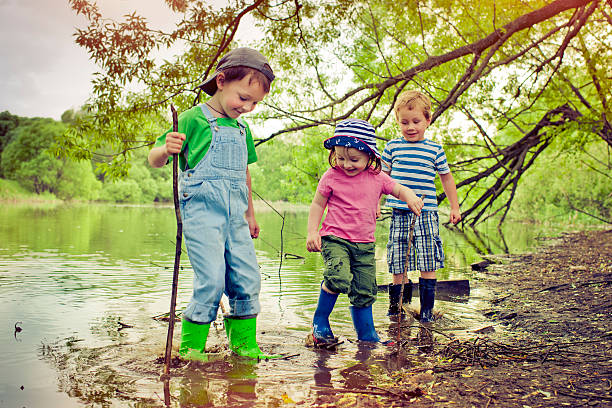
pixel 231 155
pixel 196 196
pixel 239 199
pixel 186 188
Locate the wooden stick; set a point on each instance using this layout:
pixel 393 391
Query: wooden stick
pixel 177 254
pixel 401 299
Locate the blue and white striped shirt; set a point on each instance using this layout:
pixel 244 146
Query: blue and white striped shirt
pixel 415 164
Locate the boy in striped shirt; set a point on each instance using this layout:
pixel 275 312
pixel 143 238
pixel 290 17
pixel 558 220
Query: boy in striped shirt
pixel 413 161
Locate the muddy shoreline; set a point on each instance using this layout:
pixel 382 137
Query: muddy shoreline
pixel 550 344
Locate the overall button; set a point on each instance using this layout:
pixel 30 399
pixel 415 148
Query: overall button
pixel 189 174
pixel 216 128
pixel 185 194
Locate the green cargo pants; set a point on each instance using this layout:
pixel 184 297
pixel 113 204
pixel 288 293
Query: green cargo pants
pixel 350 268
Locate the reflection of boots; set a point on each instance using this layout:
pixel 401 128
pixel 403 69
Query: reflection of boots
pixel 323 373
pixel 241 334
pixel 242 382
pixel 427 292
pixel 394 297
pixel 321 330
pixel 364 352
pixel 194 390
pixel 364 323
pixel 425 339
pixel 193 340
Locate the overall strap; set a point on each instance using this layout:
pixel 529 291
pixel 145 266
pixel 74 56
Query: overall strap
pixel 213 120
pixel 242 125
pixel 206 111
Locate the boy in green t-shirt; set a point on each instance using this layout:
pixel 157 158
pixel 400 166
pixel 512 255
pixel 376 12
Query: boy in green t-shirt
pixel 214 149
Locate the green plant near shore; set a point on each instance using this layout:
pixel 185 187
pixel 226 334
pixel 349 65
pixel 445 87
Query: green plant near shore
pixel 11 191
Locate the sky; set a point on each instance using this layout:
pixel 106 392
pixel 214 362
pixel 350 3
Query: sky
pixel 43 72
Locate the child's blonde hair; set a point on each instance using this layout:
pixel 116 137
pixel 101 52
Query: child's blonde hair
pixel 413 100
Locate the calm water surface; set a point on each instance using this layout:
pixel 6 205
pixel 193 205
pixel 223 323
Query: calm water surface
pixel 72 277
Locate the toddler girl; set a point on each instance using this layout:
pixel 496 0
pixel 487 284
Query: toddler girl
pixel 351 190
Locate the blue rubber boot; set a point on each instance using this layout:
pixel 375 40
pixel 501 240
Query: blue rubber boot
pixel 364 323
pixel 394 297
pixel 427 293
pixel 321 331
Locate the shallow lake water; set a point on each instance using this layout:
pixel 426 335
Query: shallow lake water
pixel 81 284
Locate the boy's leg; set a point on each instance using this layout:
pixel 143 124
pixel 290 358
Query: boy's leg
pixel 193 340
pixel 205 249
pixel 427 294
pixel 430 257
pixel 397 246
pixel 395 292
pixel 242 286
pixel 241 333
pixel 242 277
pixel 203 223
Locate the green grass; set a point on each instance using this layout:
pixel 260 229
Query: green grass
pixel 10 190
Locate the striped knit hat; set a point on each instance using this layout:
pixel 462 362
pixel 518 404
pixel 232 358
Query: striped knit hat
pixel 355 133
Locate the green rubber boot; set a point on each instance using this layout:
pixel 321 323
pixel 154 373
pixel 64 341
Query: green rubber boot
pixel 193 340
pixel 241 334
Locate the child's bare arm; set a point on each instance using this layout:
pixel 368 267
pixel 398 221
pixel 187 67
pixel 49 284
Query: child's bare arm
pixel 409 197
pixel 158 156
pixel 450 189
pixel 313 242
pixel 250 212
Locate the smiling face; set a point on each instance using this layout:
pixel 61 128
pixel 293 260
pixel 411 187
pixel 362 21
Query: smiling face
pixel 350 160
pixel 412 123
pixel 238 96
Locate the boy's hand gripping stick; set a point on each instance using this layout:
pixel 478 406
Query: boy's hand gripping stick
pixel 177 254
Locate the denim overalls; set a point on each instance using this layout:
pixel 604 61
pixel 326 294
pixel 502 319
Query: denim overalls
pixel 213 199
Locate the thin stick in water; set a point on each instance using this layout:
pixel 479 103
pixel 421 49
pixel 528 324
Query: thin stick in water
pixel 177 254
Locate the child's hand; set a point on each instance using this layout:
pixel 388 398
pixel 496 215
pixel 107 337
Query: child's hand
pixel 407 195
pixel 253 226
pixel 455 216
pixel 415 204
pixel 174 143
pixel 313 242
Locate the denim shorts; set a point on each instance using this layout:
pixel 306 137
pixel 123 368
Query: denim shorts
pixel 426 252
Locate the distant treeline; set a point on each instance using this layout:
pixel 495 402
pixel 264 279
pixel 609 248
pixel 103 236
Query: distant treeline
pixel 27 156
pixel 565 185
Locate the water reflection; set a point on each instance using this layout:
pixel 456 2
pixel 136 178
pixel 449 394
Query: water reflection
pixel 84 282
pixel 323 373
pixel 197 386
